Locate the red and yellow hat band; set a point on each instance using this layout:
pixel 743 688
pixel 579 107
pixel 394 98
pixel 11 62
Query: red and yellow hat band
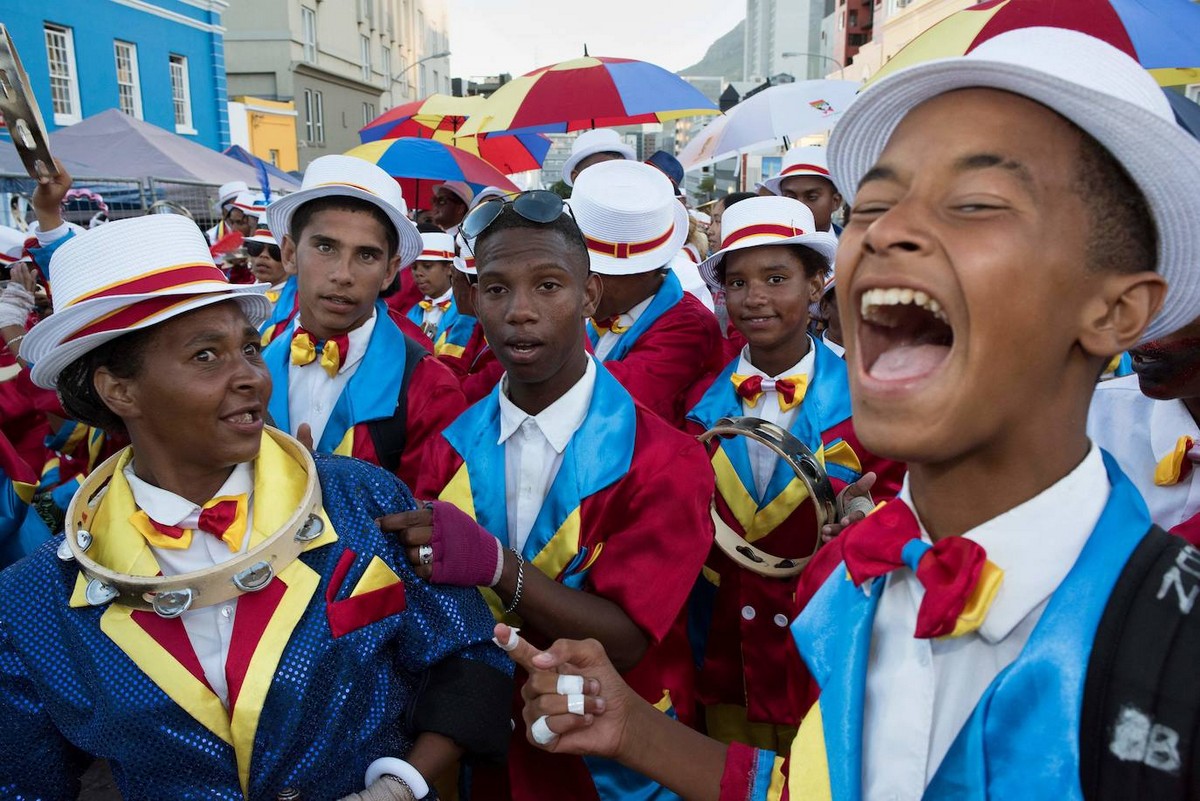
pixel 806 168
pixel 137 313
pixel 435 254
pixel 174 277
pixel 772 230
pixel 623 250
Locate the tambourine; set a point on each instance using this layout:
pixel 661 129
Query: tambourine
pixel 171 596
pixel 21 114
pixel 808 469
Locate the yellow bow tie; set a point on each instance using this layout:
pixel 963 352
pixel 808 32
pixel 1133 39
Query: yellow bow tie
pixel 223 518
pixel 789 391
pixel 1176 465
pixel 333 351
pixel 607 324
pixel 429 305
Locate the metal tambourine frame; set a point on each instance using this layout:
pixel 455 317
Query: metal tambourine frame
pixel 808 469
pixel 21 113
pixel 171 596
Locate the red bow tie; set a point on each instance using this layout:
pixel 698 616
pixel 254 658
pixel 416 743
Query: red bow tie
pixel 429 305
pixel 605 324
pixel 333 350
pixel 790 391
pixel 223 518
pixel 960 583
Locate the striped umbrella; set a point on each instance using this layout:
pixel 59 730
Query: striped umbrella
pixel 588 92
pixel 419 165
pixel 1163 35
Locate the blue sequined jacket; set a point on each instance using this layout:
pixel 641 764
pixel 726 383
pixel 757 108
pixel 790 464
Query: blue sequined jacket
pixel 309 709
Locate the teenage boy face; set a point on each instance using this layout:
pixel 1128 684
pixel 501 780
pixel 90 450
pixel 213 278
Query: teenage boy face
pixel 962 279
pixel 432 277
pixel 1169 368
pixel 768 294
pixel 815 192
pixel 532 298
pixel 341 264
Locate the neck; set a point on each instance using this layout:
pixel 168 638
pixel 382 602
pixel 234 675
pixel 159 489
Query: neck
pixel 534 398
pixel 1193 407
pixel 322 333
pixel 774 361
pixel 197 485
pixel 639 289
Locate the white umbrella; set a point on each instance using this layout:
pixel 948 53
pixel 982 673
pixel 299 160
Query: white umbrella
pixel 769 119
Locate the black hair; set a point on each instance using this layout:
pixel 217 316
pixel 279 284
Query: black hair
pixel 813 262
pixel 302 216
pixel 1122 236
pixel 76 383
pixel 735 197
pixel 565 226
pixel 429 228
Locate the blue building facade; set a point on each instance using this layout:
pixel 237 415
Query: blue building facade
pixel 160 60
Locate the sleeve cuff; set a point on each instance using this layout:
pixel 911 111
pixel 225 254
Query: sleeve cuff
pixel 469 702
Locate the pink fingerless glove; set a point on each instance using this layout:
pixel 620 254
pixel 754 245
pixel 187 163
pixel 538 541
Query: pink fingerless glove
pixel 464 553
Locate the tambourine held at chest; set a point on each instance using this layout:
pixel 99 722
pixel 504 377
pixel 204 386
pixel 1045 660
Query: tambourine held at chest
pixel 808 469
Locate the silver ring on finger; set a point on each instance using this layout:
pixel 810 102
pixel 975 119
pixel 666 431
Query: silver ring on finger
pixel 425 554
pixel 575 703
pixel 540 731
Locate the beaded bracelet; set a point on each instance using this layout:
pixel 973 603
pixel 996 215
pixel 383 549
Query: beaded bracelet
pixel 516 598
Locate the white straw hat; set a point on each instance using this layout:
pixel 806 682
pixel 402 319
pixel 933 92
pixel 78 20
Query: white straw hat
pixel 589 143
pixel 262 234
pixel 347 176
pixel 464 261
pixel 251 204
pixel 228 192
pixel 436 247
pixel 1090 83
pixel 629 217
pixel 125 276
pixel 762 221
pixel 803 160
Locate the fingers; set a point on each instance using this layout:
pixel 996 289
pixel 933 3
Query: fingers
pixel 563 684
pixel 304 434
pixel 545 731
pixel 414 527
pixel 864 484
pixel 518 648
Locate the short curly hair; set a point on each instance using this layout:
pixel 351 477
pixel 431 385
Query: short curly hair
pixel 76 384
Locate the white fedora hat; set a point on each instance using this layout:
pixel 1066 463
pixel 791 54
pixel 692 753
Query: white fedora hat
pixel 629 217
pixel 1095 86
pixel 803 160
pixel 101 292
pixel 464 261
pixel 347 176
pixel 252 205
pixel 436 247
pixel 228 192
pixel 487 193
pixel 762 221
pixel 263 234
pixel 589 143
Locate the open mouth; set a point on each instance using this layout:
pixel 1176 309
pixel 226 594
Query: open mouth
pixel 247 417
pixel 904 335
pixel 338 301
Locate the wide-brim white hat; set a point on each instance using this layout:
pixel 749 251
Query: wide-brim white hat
pixel 263 234
pixel 799 161
pixel 347 176
pixel 630 219
pixel 464 260
pixel 101 292
pixel 1089 82
pixel 436 247
pixel 228 191
pixel 589 143
pixel 765 221
pixel 252 205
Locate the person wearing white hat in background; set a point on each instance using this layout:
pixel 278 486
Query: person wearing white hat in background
pixel 805 176
pixel 225 197
pixel 450 203
pixel 684 263
pixel 771 265
pixel 477 366
pixel 593 147
pixel 334 634
pixel 827 309
pixel 1061 664
pixel 431 273
pixel 355 383
pixel 654 337
pixel 266 262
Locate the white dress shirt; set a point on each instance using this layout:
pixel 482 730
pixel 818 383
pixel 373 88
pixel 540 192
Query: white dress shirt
pixel 433 315
pixel 533 450
pixel 920 692
pixel 312 393
pixel 838 350
pixel 1140 431
pixel 608 340
pixel 762 459
pixel 209 629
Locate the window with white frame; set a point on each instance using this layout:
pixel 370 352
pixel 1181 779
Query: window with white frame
pixel 385 64
pixel 314 117
pixel 64 80
pixel 368 112
pixel 129 85
pixel 308 29
pixel 181 94
pixel 364 55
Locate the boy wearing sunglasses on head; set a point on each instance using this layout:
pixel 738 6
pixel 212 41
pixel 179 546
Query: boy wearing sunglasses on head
pixel 574 507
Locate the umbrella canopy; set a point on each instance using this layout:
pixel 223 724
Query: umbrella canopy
pixel 421 117
pixel 1160 34
pixel 421 164
pixel 588 92
pixel 769 119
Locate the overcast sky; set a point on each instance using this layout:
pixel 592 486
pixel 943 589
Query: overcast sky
pixel 488 37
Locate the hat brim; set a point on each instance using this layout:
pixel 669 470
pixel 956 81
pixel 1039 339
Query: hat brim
pixel 44 347
pixel 1162 158
pixel 573 160
pixel 823 242
pixel 651 260
pixel 279 215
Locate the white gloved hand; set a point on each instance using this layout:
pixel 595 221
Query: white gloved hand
pixel 388 788
pixel 15 304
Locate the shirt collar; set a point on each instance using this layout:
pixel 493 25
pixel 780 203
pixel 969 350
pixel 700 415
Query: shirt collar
pixel 442 297
pixel 838 350
pixel 358 339
pixel 803 367
pixel 559 421
pixel 630 317
pixel 170 509
pixel 1037 542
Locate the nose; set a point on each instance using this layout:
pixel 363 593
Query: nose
pixel 251 376
pixel 522 307
pixel 899 229
pixel 340 273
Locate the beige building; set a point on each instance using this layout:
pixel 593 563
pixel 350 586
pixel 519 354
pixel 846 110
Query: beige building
pixel 341 62
pixel 898 22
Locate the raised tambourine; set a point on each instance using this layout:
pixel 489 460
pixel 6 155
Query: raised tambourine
pixel 808 469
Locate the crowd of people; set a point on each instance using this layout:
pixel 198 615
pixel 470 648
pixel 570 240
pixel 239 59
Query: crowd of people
pixel 379 509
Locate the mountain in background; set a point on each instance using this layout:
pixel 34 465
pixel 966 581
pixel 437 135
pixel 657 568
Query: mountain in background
pixel 724 57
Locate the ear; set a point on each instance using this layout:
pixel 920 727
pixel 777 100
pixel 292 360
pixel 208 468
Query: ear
pixel 118 394
pixel 1115 317
pixel 837 201
pixel 287 252
pixel 816 283
pixel 593 290
pixel 393 267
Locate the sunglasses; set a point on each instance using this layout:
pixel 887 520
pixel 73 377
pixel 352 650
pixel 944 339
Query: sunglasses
pixel 538 205
pixel 255 249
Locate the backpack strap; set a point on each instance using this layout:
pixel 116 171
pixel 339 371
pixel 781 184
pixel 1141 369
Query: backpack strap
pixel 1141 699
pixel 389 434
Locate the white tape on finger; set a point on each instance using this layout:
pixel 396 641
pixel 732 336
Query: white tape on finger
pixel 513 640
pixel 575 703
pixel 858 504
pixel 569 685
pixel 540 730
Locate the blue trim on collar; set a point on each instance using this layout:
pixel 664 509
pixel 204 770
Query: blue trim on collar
pixel 668 295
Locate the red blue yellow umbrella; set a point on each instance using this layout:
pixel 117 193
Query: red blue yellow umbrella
pixel 588 92
pixel 1163 35
pixel 419 165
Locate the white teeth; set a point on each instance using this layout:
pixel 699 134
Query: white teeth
pixel 874 298
pixel 244 417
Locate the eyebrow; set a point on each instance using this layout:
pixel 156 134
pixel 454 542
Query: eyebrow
pixel 878 173
pixel 984 161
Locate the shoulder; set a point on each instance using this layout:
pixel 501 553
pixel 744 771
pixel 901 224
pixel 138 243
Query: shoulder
pixel 35 586
pixel 691 312
pixel 1119 402
pixel 660 445
pixel 353 483
pixel 430 370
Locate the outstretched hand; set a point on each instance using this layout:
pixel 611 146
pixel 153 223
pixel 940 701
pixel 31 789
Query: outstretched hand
pixel 853 504
pixel 48 197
